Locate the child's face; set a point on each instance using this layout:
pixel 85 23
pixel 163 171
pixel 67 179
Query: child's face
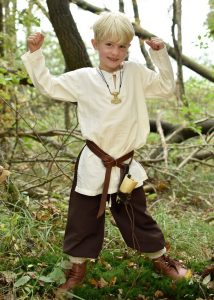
pixel 111 54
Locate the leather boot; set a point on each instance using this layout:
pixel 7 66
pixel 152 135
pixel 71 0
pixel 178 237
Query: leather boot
pixel 74 277
pixel 171 268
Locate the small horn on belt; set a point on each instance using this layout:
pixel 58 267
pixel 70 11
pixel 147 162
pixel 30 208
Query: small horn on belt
pixel 108 162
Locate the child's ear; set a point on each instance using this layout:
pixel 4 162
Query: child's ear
pixel 94 43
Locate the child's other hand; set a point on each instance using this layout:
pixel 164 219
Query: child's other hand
pixel 155 43
pixel 35 41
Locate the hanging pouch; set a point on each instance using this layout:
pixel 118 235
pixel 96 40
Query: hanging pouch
pixel 128 184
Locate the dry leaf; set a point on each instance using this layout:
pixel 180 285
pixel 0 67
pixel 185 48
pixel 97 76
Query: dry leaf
pixel 3 174
pixel 102 283
pixel 132 265
pixel 1 170
pixel 162 185
pixel 42 215
pixel 206 279
pixel 99 283
pixel 158 294
pixel 107 265
pixel 208 270
pixel 141 297
pixel 7 277
pixel 113 281
pixel 94 282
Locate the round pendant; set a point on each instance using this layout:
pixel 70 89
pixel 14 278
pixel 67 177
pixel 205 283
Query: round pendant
pixel 115 100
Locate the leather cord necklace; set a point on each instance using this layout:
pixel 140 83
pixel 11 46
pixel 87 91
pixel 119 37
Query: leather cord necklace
pixel 116 99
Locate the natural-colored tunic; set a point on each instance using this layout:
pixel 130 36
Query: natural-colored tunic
pixel 115 128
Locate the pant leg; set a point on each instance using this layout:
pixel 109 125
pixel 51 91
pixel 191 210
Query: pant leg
pixel 84 233
pixel 139 230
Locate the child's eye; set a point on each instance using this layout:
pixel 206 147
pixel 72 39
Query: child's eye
pixel 123 46
pixel 108 44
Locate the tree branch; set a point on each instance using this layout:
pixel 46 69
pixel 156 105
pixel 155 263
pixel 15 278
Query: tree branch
pixel 188 62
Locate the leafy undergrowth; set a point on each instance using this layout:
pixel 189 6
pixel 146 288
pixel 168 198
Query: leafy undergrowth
pixel 32 262
pixel 114 275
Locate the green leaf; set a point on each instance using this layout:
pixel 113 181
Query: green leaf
pixel 22 281
pixel 3 81
pixel 57 276
pixel 152 196
pixel 45 279
pixel 74 296
pixel 3 71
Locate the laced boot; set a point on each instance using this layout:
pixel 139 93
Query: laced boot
pixel 171 268
pixel 74 277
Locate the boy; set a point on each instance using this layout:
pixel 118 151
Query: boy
pixel 114 121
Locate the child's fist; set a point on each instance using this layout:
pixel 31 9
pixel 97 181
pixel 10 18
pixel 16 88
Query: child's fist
pixel 155 43
pixel 35 41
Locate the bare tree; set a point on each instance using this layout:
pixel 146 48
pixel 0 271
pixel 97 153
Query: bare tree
pixel 177 41
pixel 141 41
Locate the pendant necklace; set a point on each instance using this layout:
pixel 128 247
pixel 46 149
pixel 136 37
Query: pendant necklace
pixel 115 99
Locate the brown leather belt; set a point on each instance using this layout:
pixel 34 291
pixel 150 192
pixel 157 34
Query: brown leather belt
pixel 108 162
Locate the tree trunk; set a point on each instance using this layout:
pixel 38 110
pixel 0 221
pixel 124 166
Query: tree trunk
pixel 71 43
pixel 121 6
pixel 28 26
pixel 177 41
pixel 9 30
pixel 1 30
pixel 67 117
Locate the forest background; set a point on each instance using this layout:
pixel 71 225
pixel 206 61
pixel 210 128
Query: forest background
pixel 40 140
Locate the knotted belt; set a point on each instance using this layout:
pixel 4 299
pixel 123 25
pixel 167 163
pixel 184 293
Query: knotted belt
pixel 108 162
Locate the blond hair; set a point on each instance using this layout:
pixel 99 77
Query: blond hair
pixel 114 26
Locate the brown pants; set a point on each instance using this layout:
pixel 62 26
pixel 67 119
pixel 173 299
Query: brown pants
pixel 84 233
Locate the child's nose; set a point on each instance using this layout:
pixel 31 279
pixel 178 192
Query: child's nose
pixel 115 51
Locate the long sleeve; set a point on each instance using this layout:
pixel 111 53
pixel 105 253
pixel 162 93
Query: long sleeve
pixel 159 84
pixel 63 87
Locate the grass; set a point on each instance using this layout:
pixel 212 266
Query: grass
pixel 31 252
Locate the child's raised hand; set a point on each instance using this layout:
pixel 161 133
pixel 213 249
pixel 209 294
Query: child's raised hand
pixel 35 41
pixel 155 43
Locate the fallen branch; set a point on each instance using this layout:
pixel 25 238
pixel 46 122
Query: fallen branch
pixel 178 133
pixel 188 158
pixel 202 155
pixel 183 133
pixel 37 135
pixel 202 162
pixel 33 161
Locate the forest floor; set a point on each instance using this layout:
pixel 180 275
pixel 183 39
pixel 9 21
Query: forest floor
pixel 34 203
pixel 32 263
